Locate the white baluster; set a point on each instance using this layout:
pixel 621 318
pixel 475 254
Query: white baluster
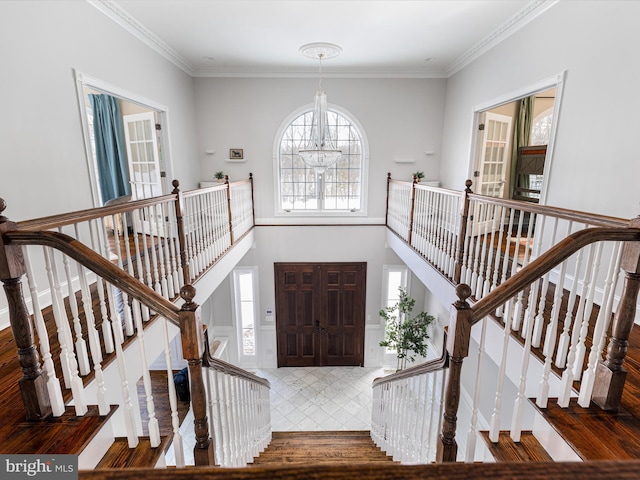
pixel 506 257
pixel 159 249
pixel 107 336
pixel 568 375
pixel 484 246
pixel 548 347
pixel 472 434
pixel 53 384
pixel 539 320
pixel 65 339
pixel 517 306
pixel 586 316
pixel 443 376
pixel 154 430
pixel 602 326
pixel 81 347
pixel 122 299
pixel 141 254
pixel 518 409
pixel 478 215
pixel 494 430
pixel 563 343
pixel 94 341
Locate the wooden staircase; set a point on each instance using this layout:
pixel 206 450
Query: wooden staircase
pixel 321 448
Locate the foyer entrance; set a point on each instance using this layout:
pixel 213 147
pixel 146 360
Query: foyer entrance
pixel 320 314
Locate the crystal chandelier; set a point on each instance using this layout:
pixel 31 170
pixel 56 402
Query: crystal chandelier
pixel 320 152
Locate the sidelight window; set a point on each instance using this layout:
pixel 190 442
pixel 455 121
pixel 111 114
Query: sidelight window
pixel 245 306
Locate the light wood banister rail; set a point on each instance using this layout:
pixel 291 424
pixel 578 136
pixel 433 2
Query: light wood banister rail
pixel 99 265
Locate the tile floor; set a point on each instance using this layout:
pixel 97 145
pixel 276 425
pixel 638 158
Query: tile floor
pixel 308 399
pixel 320 398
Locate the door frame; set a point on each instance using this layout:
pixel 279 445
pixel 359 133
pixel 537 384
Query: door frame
pixel 86 81
pixel 555 81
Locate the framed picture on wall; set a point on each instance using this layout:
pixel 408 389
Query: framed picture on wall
pixel 236 154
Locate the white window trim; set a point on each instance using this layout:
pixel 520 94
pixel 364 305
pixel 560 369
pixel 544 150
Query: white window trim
pixel 390 357
pixel 250 361
pixel 278 211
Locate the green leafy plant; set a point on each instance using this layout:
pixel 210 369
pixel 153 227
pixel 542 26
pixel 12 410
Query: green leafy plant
pixel 219 175
pixel 418 175
pixel 406 334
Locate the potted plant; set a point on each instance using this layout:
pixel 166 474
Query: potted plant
pixel 219 176
pixel 407 335
pixel 419 175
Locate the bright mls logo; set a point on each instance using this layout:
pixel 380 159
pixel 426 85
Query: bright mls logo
pixel 58 467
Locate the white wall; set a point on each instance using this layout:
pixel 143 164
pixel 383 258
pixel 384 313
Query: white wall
pixel 401 118
pixel 595 165
pixel 42 156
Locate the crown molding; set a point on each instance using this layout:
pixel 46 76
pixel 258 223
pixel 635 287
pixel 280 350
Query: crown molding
pixel 305 72
pixel 531 11
pixel 142 33
pixel 508 28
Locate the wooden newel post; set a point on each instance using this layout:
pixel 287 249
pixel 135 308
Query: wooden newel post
pixel 610 374
pixel 182 239
pixel 386 211
pixel 253 209
pixel 226 182
pixel 33 388
pixel 413 208
pixel 458 348
pixel 192 335
pixel 462 232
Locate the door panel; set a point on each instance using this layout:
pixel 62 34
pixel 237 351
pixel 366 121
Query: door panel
pixel 320 313
pixel 296 308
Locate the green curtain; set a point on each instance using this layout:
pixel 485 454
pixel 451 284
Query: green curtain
pixel 111 150
pixel 521 136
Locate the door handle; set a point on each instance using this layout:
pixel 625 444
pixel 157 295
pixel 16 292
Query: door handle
pixel 318 328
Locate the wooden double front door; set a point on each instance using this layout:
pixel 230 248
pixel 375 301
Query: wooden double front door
pixel 320 313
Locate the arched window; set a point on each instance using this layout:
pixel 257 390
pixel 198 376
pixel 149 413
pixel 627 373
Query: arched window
pixel 541 128
pixel 340 189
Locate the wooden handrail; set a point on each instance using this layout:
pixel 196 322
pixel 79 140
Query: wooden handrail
pixel 545 263
pixel 229 369
pixel 593 470
pixel 210 361
pixel 60 220
pixel 99 265
pixel 200 191
pixel 562 213
pixel 421 369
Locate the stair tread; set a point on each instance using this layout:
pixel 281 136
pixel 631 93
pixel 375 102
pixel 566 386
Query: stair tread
pixel 618 433
pixel 528 449
pixel 120 455
pixel 335 447
pixel 65 434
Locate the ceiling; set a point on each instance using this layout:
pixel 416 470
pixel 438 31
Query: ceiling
pixel 392 38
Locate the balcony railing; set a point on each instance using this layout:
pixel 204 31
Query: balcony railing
pixel 545 277
pixel 108 273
